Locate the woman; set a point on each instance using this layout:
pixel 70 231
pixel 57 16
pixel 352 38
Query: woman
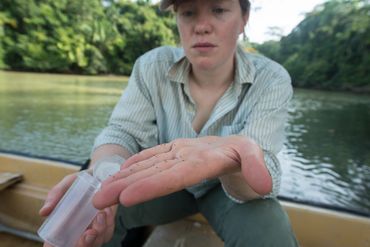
pixel 200 128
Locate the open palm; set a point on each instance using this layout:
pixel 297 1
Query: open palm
pixel 168 168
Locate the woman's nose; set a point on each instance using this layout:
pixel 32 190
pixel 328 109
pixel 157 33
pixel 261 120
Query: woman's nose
pixel 203 25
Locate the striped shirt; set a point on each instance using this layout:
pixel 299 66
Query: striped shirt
pixel 156 107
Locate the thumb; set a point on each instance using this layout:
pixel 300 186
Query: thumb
pixel 56 193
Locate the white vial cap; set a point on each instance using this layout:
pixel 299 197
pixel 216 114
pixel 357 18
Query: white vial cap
pixel 107 167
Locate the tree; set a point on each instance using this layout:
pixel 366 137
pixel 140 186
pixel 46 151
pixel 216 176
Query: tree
pixel 142 28
pixel 275 32
pixel 49 35
pixel 329 48
pixel 87 36
pixel 4 20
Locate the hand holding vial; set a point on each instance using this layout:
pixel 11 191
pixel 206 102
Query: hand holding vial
pixel 74 213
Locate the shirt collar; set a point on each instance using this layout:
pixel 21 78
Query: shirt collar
pixel 244 72
pixel 179 71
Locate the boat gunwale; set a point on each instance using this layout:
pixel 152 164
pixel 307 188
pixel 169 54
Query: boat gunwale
pixel 281 198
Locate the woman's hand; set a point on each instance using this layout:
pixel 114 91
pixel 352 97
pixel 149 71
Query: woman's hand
pixel 171 167
pixel 102 227
pixel 56 193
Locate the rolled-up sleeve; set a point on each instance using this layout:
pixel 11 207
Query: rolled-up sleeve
pixel 132 124
pixel 266 122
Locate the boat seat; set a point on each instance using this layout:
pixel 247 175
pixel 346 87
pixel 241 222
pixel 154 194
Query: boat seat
pixel 9 178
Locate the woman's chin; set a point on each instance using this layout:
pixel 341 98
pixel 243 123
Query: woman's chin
pixel 204 64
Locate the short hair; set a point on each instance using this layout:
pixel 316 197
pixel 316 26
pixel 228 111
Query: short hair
pixel 245 5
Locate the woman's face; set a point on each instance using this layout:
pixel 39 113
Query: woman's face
pixel 209 30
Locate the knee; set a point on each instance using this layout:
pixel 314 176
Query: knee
pixel 258 223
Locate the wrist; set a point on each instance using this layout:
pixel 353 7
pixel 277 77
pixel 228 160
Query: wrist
pixel 253 180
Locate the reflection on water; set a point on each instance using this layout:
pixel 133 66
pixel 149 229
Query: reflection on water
pixel 55 116
pixel 326 156
pixel 325 159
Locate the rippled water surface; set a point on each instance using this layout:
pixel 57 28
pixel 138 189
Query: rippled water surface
pixel 326 157
pixel 55 116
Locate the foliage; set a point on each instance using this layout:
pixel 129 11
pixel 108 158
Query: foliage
pixel 4 20
pixel 143 29
pixel 329 48
pixel 86 36
pixel 271 48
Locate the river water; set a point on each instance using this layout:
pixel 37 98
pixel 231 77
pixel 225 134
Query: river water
pixel 325 159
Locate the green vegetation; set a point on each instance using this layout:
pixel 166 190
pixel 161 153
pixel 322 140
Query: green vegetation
pixel 329 49
pixel 85 36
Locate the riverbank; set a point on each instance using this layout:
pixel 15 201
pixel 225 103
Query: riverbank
pixel 113 77
pixel 106 77
pixel 357 90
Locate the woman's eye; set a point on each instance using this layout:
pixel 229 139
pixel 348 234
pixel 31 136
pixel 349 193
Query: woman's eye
pixel 219 10
pixel 187 13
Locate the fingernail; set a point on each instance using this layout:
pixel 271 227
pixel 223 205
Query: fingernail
pixel 101 219
pixel 107 211
pixel 89 239
pixel 46 205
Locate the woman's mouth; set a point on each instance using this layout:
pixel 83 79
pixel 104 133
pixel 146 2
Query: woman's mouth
pixel 203 46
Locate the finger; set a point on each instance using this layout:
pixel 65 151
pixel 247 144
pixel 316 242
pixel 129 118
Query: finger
pixel 88 238
pixel 110 212
pixel 137 167
pixel 95 234
pixel 108 236
pixel 56 193
pixel 100 226
pixel 158 185
pixel 110 191
pixel 170 181
pixel 142 167
pixel 100 230
pixel 100 223
pixel 165 182
pixel 156 168
pixel 109 215
pixel 147 153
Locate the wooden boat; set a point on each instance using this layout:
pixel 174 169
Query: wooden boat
pixel 21 200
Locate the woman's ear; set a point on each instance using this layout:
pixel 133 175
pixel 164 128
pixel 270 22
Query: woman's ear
pixel 245 21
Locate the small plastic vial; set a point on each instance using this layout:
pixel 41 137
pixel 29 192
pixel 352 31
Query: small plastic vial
pixel 75 211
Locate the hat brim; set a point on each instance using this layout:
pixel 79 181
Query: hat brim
pixel 165 4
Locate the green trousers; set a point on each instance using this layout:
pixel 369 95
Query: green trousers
pixel 255 223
